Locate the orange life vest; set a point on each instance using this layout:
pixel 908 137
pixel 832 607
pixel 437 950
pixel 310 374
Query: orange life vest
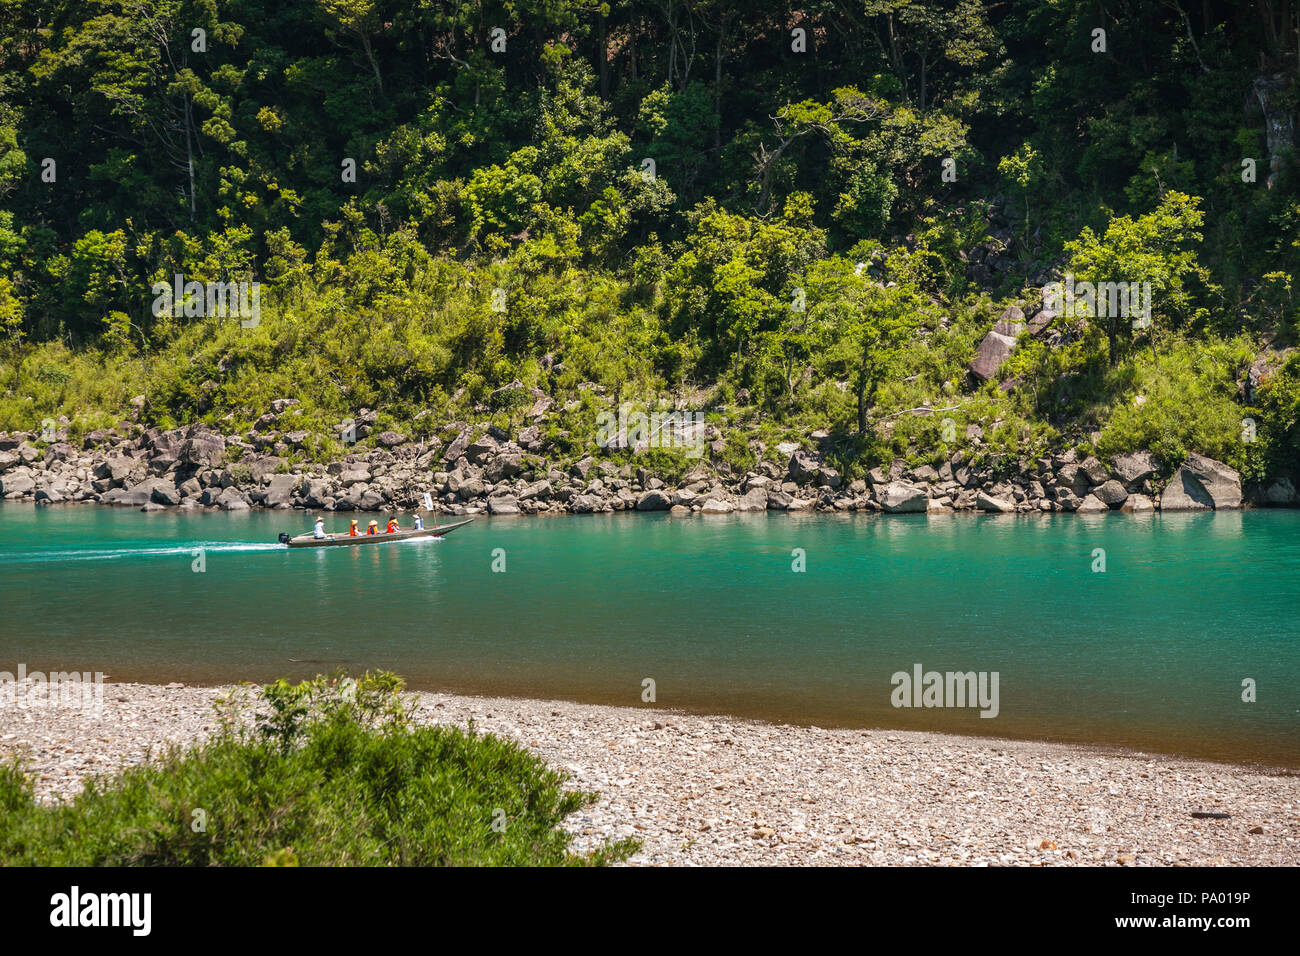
pixel 392 527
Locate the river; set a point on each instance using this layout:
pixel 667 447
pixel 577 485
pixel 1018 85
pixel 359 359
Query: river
pixel 796 618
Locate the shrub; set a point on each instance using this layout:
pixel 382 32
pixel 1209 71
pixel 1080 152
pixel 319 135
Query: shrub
pixel 327 772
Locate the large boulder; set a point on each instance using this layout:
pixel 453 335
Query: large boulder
pixel 503 505
pixel 203 448
pixel 279 493
pixel 899 497
pixel 1202 483
pixel 716 506
pixel 16 485
pixel 354 476
pixel 503 467
pixel 1112 493
pixel 1279 492
pixel 1094 470
pixel 1091 505
pixel 480 451
pixel 541 490
pixel 587 504
pixel 314 491
pixel 804 467
pixel 457 447
pixel 138 495
pixel 990 354
pixel 164 493
pixel 232 499
pixel 753 500
pixel 1135 468
pixel 1137 504
pixel 658 501
pixel 987 502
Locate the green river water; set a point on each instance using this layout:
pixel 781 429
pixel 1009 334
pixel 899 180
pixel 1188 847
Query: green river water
pixel 1149 654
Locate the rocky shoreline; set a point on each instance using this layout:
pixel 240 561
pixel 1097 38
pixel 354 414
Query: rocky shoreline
pixel 485 470
pixel 717 790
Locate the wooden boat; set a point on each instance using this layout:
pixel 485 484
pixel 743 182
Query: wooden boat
pixel 345 540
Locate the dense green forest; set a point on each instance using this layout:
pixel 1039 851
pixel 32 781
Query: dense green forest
pixel 796 219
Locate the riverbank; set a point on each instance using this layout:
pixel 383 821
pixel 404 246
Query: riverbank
pixel 484 469
pixel 716 790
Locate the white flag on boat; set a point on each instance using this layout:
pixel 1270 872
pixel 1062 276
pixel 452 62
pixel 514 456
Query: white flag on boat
pixel 428 502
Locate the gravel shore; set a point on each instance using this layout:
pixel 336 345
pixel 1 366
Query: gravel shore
pixel 699 790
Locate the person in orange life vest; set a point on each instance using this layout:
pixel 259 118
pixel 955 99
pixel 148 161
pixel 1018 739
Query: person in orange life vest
pixel 392 526
pixel 352 529
pixel 373 528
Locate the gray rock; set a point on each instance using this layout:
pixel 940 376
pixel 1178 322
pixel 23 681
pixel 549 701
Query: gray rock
pixel 503 467
pixel 481 450
pixel 1201 483
pixel 1094 470
pixel 353 476
pixel 986 502
pixel 656 501
pixel 716 506
pixel 899 497
pixel 1138 504
pixel 1091 505
pixel 1135 468
pixel 503 505
pixel 457 447
pixel 202 449
pixel 803 467
pixel 828 477
pixel 164 494
pixel 1111 492
pixel 279 493
pixel 541 490
pixel 372 500
pixel 753 500
pixel 14 486
pixel 587 504
pixel 1279 492
pixel 232 499
pixel 990 354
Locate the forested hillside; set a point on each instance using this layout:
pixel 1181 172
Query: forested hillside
pixel 795 220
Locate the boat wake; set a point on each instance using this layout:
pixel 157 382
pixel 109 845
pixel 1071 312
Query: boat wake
pixel 117 554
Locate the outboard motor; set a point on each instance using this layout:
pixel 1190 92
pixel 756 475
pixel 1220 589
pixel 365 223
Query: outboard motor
pixel 284 537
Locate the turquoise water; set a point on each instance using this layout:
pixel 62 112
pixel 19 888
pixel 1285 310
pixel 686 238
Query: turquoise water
pixel 1150 654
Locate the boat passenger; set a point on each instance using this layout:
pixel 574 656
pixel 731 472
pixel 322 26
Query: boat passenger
pixel 373 528
pixel 319 530
pixel 352 529
pixel 392 526
pixel 419 522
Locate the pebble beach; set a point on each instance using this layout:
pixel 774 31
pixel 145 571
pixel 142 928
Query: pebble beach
pixel 722 791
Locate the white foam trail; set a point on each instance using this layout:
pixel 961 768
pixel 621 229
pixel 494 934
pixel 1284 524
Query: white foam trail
pixel 112 554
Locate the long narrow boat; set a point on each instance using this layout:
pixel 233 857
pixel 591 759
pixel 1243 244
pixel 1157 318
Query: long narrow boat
pixel 345 540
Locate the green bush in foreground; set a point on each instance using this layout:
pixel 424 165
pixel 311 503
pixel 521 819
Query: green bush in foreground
pixel 331 773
